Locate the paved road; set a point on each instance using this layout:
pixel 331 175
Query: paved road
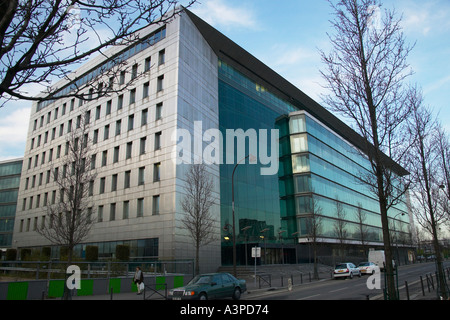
pixel 356 288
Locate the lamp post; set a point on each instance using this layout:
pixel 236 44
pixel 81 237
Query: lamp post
pixel 246 241
pixel 232 209
pixel 396 237
pixel 263 236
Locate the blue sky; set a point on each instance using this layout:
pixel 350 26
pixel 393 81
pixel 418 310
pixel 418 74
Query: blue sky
pixel 286 35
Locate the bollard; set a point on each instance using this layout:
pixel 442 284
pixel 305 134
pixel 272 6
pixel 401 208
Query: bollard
pixel 421 283
pixel 407 290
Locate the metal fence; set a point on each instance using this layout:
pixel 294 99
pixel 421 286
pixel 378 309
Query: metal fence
pixel 97 269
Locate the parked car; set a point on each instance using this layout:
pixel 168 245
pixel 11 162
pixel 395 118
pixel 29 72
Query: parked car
pixel 368 268
pixel 210 286
pixel 344 270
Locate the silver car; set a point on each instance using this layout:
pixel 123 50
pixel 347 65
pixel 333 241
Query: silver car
pixel 346 270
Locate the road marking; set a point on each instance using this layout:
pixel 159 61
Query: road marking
pixel 338 290
pixel 309 297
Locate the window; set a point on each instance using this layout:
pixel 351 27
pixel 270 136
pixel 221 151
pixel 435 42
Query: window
pixel 162 57
pixel 144 117
pixel 148 63
pixel 132 96
pixel 126 209
pixel 120 102
pixel 102 185
pixel 104 158
pixel 130 122
pixel 140 207
pixel 93 159
pixel 127 179
pixel 129 150
pixel 122 77
pixel 91 188
pixel 100 214
pixel 141 176
pixel 134 71
pixel 118 127
pixel 87 117
pixel 114 182
pixel 106 132
pixel 158 111
pixel 155 205
pixel 158 140
pixel 108 107
pixel 95 138
pixel 160 84
pixel 143 142
pixel 116 154
pixel 145 90
pixel 97 112
pixel 156 172
pixel 61 129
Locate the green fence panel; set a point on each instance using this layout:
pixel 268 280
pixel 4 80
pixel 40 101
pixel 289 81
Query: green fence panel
pixel 86 288
pixel 178 281
pixel 160 281
pixel 17 291
pixel 115 285
pixel 56 288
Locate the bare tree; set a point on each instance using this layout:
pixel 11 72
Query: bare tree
pixel 340 227
pixel 41 40
pixel 365 73
pixel 314 229
pixel 196 204
pixel 424 168
pixel 69 221
pixel 363 233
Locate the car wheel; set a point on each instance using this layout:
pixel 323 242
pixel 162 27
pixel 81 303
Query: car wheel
pixel 237 294
pixel 203 296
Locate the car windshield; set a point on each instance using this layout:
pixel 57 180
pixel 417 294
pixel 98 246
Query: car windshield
pixel 201 280
pixel 364 264
pixel 341 266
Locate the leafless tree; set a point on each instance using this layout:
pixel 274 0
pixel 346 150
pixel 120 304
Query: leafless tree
pixel 424 166
pixel 443 148
pixel 363 233
pixel 314 229
pixel 196 204
pixel 340 227
pixel 42 40
pixel 69 221
pixel 365 74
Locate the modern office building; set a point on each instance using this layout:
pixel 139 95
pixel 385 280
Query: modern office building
pixel 10 171
pixel 189 78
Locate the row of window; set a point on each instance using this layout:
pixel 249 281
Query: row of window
pixel 36 142
pixel 25 225
pixel 48 155
pixel 146 42
pixel 102 186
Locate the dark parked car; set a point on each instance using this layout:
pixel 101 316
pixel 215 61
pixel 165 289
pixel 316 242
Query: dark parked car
pixel 210 286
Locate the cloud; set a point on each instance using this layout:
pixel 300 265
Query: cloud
pixel 429 18
pixel 219 13
pixel 13 132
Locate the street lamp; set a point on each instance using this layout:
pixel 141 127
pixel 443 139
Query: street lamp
pixel 246 241
pixel 265 243
pixel 232 208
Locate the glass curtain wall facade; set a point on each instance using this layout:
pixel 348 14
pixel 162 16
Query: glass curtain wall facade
pixel 317 168
pixel 246 105
pixel 319 174
pixel 10 172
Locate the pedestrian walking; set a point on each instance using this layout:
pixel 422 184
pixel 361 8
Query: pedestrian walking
pixel 139 279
